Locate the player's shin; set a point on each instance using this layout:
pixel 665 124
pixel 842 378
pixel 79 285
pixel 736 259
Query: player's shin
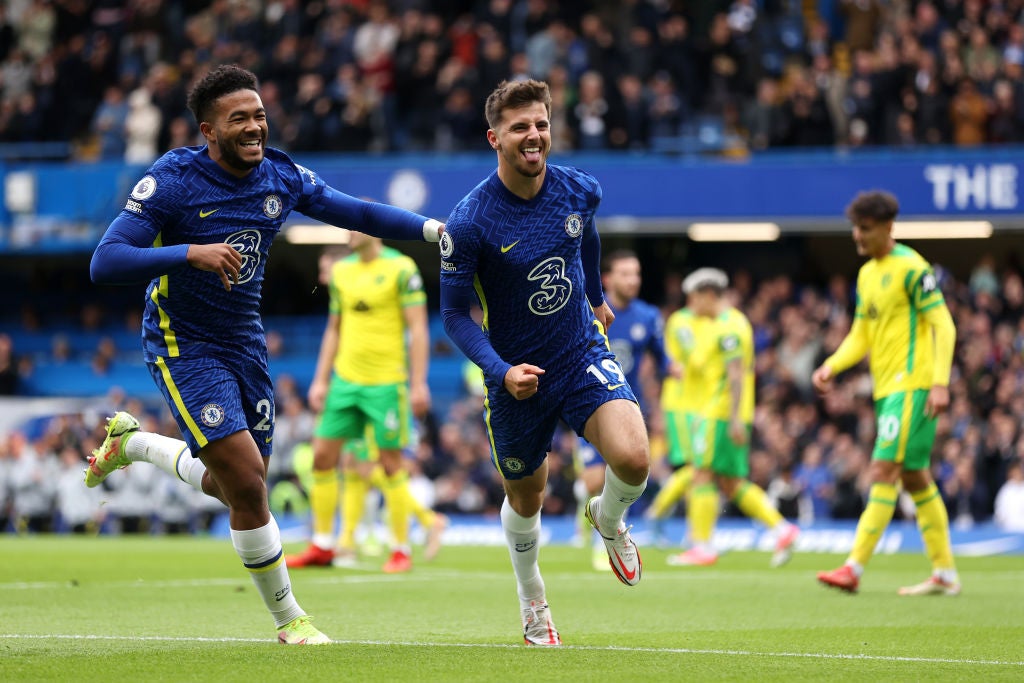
pixel 933 522
pixel 170 455
pixel 261 553
pixel 873 522
pixel 522 534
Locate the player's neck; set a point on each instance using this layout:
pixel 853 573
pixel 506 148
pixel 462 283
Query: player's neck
pixel 370 252
pixel 521 186
pixel 884 251
pixel 617 302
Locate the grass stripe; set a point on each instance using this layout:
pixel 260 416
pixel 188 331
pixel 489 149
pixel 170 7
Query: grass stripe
pixel 506 646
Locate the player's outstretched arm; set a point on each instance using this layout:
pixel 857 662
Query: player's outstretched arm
pixel 125 254
pixel 373 218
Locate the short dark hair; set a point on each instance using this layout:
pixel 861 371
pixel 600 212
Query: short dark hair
pixel 612 257
pixel 224 80
pixel 513 95
pixel 873 205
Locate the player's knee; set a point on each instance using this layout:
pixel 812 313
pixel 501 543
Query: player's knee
pixel 247 493
pixel 633 465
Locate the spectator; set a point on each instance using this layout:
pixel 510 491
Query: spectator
pixel 141 128
pixel 1009 508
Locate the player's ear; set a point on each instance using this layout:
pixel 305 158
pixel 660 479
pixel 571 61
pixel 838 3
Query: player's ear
pixel 492 138
pixel 206 129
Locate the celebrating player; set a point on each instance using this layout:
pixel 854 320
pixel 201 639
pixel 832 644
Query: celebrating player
pixel 198 228
pixel 901 319
pixel 524 243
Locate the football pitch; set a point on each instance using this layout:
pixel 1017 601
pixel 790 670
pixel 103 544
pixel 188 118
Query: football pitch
pixel 183 609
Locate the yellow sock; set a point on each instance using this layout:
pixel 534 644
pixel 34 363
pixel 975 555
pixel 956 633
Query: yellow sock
pixel 933 521
pixel 703 512
pixel 323 499
pixel 673 490
pixel 396 497
pixel 377 478
pixel 424 515
pixel 752 501
pixel 352 506
pixel 873 522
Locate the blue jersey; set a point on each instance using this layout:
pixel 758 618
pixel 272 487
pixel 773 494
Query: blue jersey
pixel 523 259
pixel 637 330
pixel 187 198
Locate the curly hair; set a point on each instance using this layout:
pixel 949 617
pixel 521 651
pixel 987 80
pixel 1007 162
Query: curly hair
pixel 223 80
pixel 874 205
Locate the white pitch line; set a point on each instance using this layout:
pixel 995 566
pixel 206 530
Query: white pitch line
pixel 501 646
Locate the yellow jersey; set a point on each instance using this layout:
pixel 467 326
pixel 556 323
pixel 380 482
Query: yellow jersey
pixel 730 336
pixel 370 298
pixel 683 331
pixel 899 307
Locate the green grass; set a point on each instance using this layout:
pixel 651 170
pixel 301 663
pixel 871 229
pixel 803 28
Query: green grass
pixel 165 609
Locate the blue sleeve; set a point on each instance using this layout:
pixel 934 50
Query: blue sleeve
pixel 656 342
pixel 467 335
pixel 373 218
pixel 590 254
pixel 125 254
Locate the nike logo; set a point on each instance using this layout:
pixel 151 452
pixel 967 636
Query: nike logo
pixel 505 249
pixel 613 387
pixel 204 214
pixel 629 576
pixel 268 439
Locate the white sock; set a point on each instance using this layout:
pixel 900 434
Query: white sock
pixel 616 497
pixel 261 553
pixel 523 537
pixel 171 455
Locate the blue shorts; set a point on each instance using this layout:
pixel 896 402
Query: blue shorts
pixel 212 397
pixel 521 432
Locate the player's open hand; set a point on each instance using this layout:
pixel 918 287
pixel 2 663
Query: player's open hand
pixel 523 380
pixel 317 395
pixel 419 397
pixel 938 401
pixel 822 379
pixel 219 258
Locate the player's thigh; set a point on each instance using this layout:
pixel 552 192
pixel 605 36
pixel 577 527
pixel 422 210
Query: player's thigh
pixel 341 417
pixel 721 454
pixel 905 435
pixel 617 430
pixel 205 397
pixel 387 410
pixel 520 432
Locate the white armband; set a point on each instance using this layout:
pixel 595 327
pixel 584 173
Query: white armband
pixel 432 230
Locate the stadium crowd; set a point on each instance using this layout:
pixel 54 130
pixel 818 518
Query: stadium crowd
pixel 109 78
pixel 810 454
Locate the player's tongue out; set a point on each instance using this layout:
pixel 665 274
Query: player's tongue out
pixel 531 154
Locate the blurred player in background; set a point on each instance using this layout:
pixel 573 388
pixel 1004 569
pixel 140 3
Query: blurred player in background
pixel 724 356
pixel 523 243
pixel 371 371
pixel 902 322
pixel 198 228
pixel 635 337
pixel 681 398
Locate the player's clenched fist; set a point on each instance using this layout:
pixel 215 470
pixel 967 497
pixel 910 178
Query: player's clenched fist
pixel 522 380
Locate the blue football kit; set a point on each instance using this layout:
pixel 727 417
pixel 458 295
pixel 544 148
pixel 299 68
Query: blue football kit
pixel 205 346
pixel 534 267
